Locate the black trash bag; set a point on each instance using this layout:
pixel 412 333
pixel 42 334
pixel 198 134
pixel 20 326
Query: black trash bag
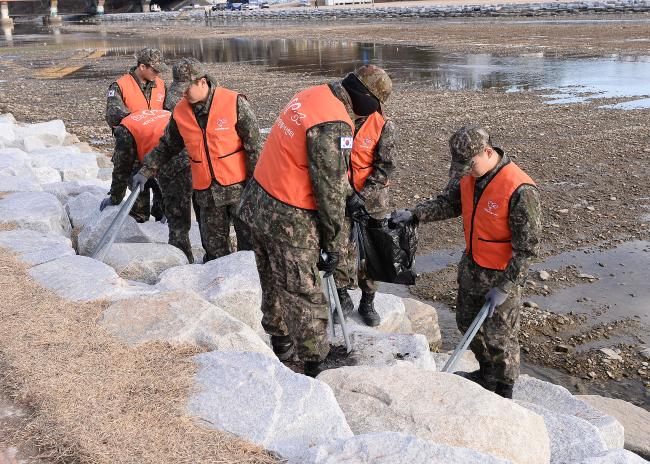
pixel 388 250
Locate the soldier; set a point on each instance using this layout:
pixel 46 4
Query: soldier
pixel 139 89
pixel 137 133
pixel 175 177
pixel 295 206
pixel 501 214
pixel 371 163
pixel 220 132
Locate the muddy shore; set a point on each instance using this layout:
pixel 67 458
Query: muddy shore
pixel 591 163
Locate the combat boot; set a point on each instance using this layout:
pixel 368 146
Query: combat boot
pixel 479 378
pixel 367 310
pixel 346 305
pixel 504 389
pixel 313 368
pixel 282 346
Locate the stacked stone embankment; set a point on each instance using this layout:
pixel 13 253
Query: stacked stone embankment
pixel 390 404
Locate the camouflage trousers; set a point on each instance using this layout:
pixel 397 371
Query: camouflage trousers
pixel 347 273
pixel 142 207
pixel 292 299
pixel 175 180
pixel 496 345
pixel 214 223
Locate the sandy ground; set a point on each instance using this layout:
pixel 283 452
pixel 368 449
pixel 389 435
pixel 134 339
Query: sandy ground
pixel 591 164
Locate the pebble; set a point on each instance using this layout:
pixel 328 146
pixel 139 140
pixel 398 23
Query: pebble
pixel 561 349
pixel 531 304
pixel 611 354
pixel 543 275
pixel 563 211
pixel 587 276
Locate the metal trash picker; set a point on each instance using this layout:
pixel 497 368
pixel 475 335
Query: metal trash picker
pixel 333 297
pixel 467 338
pixel 111 233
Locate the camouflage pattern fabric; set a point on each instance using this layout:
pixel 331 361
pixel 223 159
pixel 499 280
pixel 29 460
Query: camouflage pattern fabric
pixel 464 144
pixel 214 204
pixel 497 344
pixel 125 164
pixel 293 302
pixel 116 110
pixel 376 80
pixel 151 57
pixel 347 274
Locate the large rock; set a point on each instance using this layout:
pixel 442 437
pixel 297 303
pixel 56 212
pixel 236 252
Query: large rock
pixel 572 438
pixel 389 307
pixel 64 190
pixel 97 225
pixel 13 158
pixel 7 134
pixel 559 400
pixel 636 421
pixel 380 349
pixel 46 174
pixel 231 283
pixel 259 399
pixel 19 184
pixel 178 318
pixel 617 456
pixel 35 247
pixel 70 164
pixel 39 211
pixel 466 363
pixel 79 278
pixel 442 408
pixel 44 134
pixel 156 232
pixel 424 320
pixel 392 448
pixel 143 261
pixel 82 208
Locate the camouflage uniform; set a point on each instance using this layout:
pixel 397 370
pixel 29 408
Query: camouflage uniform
pixel 175 176
pixel 496 345
pixel 116 110
pixel 287 240
pixel 375 192
pixel 125 165
pixel 216 203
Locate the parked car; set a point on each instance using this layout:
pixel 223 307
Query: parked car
pixel 219 5
pixel 250 5
pixel 264 4
pixel 233 6
pixel 303 3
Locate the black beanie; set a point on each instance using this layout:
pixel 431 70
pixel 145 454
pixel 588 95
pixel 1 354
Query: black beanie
pixel 364 103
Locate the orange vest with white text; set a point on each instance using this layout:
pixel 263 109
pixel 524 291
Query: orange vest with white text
pixel 282 170
pixel 487 228
pixel 363 150
pixel 134 98
pixel 146 127
pixel 216 153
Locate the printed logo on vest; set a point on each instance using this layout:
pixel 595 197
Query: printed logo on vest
pixel 111 93
pixel 490 207
pixel 221 124
pixel 367 142
pixel 160 97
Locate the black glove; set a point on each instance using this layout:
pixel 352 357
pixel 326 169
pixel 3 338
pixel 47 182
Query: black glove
pixel 105 202
pixel 328 262
pixel 355 205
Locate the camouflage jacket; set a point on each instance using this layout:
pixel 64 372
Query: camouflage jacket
pixel 172 144
pixel 125 161
pixel 375 190
pixel 525 221
pixel 116 110
pixel 328 166
pixel 178 164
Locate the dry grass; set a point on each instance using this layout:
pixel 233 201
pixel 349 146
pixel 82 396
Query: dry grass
pixel 94 399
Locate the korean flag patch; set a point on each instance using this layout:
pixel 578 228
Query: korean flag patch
pixel 346 142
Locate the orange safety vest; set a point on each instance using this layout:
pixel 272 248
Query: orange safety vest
pixel 487 228
pixel 363 150
pixel 216 153
pixel 134 98
pixel 282 169
pixel 147 128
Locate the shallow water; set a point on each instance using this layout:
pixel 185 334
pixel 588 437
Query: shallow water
pixel 559 79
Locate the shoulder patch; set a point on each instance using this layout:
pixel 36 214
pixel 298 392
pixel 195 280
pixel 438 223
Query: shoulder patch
pixel 346 142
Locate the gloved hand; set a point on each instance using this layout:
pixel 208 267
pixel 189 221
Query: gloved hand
pixel 496 297
pixel 355 204
pixel 401 215
pixel 138 182
pixel 105 202
pixel 328 262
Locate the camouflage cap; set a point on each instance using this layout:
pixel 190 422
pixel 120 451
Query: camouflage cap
pixel 188 70
pixel 151 57
pixel 376 81
pixel 467 142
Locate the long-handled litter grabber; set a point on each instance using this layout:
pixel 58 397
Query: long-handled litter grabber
pixel 467 338
pixel 116 225
pixel 333 297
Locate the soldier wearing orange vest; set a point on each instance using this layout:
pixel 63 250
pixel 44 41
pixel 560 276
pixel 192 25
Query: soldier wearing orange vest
pixel 371 163
pixel 139 89
pixel 219 130
pixel 501 212
pixel 135 136
pixel 295 207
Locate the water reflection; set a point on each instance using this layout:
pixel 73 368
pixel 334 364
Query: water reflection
pixel 7 32
pixel 608 77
